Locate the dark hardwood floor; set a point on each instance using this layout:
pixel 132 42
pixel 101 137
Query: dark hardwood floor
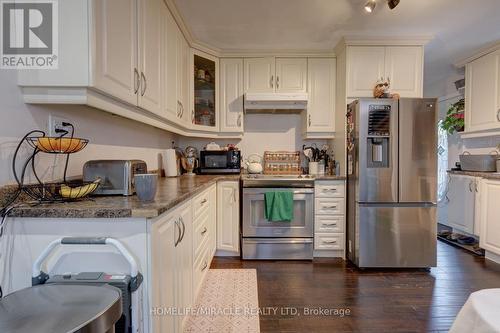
pixel 378 300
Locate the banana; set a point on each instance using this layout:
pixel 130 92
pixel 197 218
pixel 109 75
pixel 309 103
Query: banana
pixel 79 191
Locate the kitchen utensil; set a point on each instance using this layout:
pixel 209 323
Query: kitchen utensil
pixel 479 163
pixel 145 186
pixel 254 163
pixel 189 164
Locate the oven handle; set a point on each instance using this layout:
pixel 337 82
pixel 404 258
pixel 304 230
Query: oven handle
pixel 278 241
pixel 262 191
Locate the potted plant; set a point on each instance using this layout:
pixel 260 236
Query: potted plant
pixel 454 121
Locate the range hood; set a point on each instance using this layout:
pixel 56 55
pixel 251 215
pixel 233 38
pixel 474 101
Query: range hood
pixel 275 102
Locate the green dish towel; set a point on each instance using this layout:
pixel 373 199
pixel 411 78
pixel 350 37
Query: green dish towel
pixel 278 206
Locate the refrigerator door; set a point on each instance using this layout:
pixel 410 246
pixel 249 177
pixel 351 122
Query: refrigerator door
pixel 376 148
pixel 417 150
pixel 397 236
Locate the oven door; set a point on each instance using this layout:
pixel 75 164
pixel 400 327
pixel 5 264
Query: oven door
pixel 256 225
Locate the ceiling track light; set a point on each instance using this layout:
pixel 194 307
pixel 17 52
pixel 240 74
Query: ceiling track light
pixel 370 6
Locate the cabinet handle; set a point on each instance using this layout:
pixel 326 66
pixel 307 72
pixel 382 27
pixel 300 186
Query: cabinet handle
pixel 136 81
pixel 182 109
pixel 309 120
pixel 204 266
pixel 203 201
pixel 272 81
pixel 178 109
pixel 277 82
pixel 470 186
pixel 329 190
pixel 178 240
pixel 192 116
pixel 204 231
pixel 183 229
pixel 238 122
pixel 329 224
pixel 498 115
pixel 330 207
pixel 476 186
pixel 144 87
pixel 234 195
pixel 330 241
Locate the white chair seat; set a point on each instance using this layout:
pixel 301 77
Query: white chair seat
pixel 480 314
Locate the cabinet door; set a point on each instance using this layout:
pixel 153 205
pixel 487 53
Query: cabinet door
pixel 461 194
pixel 482 93
pixel 365 65
pixel 404 68
pixel 183 74
pixel 321 104
pixel 231 95
pixel 490 212
pixel 115 62
pixel 204 91
pixel 171 106
pixel 163 237
pixel 259 75
pixel 291 75
pixel 184 264
pixel 150 36
pixel 228 210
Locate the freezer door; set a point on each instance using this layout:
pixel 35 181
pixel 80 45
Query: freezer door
pixel 402 236
pixel 417 150
pixel 377 150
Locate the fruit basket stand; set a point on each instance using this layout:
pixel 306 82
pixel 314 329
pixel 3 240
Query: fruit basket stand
pixel 40 191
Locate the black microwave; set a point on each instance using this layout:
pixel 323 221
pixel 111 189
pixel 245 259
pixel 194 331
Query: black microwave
pixel 220 161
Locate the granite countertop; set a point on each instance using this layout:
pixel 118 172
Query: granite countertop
pixel 171 192
pixel 488 175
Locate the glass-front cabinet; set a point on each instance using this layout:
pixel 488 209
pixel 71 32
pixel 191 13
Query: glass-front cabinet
pixel 204 91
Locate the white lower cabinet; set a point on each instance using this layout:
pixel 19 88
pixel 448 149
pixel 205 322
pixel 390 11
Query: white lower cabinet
pixel 490 216
pixel 182 248
pixel 462 192
pixel 171 267
pixel 228 218
pixel 329 218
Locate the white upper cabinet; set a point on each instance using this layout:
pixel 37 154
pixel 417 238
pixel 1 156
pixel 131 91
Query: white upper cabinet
pixel 402 65
pixel 116 67
pixel 482 93
pixel 321 91
pixel 231 95
pixel 170 105
pixel 365 66
pixel 404 68
pixel 291 75
pixel 183 78
pixel 150 58
pixel 259 75
pixel 228 217
pixel 490 211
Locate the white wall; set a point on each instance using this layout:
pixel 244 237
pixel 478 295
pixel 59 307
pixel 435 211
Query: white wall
pixel 263 132
pixel 111 137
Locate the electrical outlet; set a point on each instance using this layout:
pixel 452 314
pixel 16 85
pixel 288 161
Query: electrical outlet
pixel 56 122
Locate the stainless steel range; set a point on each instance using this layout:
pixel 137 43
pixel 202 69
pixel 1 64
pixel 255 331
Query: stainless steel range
pixel 263 239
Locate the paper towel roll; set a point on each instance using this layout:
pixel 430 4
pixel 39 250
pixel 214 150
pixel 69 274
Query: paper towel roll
pixel 170 163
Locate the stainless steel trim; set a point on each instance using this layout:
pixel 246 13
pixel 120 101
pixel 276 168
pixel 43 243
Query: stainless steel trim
pixel 144 87
pixel 277 240
pixel 136 81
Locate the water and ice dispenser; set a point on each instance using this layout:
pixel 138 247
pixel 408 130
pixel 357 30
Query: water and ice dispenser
pixel 379 136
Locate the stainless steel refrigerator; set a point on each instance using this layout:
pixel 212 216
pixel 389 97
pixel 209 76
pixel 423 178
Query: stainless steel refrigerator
pixel 392 182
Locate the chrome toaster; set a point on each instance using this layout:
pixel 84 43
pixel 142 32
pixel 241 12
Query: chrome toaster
pixel 117 176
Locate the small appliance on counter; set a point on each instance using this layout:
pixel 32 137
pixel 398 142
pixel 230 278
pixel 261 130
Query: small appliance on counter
pixel 220 161
pixel 117 176
pixel 479 163
pixel 189 160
